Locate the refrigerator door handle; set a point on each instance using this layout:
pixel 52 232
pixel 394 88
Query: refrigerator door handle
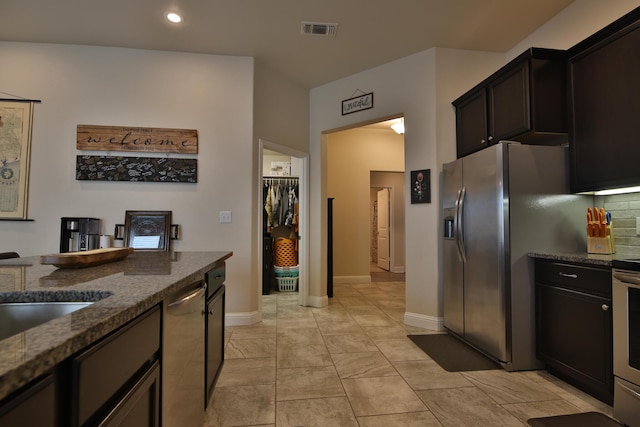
pixel 459 224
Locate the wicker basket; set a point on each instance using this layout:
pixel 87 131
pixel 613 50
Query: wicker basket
pixel 284 252
pixel 287 284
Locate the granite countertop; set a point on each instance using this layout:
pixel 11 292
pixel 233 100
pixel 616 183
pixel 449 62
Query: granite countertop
pixel 578 257
pixel 120 291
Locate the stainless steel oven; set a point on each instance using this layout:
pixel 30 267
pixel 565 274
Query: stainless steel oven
pixel 626 343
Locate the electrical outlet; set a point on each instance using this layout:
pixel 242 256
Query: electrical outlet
pixel 225 217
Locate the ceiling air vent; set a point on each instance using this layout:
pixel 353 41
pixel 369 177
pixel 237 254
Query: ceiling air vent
pixel 319 29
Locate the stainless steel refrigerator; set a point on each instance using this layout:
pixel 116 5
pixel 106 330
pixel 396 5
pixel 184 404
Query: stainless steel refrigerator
pixel 499 204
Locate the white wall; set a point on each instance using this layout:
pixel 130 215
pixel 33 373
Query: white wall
pixel 124 87
pixel 422 87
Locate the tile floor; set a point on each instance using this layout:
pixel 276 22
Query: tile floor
pixel 351 364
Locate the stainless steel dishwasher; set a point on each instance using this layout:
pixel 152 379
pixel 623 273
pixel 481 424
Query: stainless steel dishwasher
pixel 183 373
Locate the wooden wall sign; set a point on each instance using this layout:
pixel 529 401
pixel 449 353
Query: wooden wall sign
pixel 358 103
pixel 152 140
pixel 136 169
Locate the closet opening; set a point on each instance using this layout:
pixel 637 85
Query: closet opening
pixel 283 220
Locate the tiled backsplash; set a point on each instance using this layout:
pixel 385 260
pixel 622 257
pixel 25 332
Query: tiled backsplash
pixel 624 208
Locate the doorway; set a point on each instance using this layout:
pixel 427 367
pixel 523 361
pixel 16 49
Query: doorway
pixel 353 158
pixel 288 168
pixel 387 188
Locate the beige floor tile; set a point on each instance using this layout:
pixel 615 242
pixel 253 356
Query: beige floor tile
pixel 298 336
pixel 381 395
pixel 261 330
pixel 354 301
pixel 296 323
pixel 350 343
pixel 365 320
pixel 427 374
pixel 401 349
pixel 333 327
pixel 308 383
pixel 325 412
pixel 385 333
pixel 408 419
pixel 467 406
pixel 509 387
pixel 241 406
pixel 547 408
pixel 303 355
pixel 324 366
pixel 237 372
pixel 362 365
pixel 238 349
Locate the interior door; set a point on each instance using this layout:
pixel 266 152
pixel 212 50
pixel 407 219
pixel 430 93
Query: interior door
pixel 383 229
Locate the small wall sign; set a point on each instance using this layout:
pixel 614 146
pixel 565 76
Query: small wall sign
pixel 136 169
pixel 358 103
pixel 140 139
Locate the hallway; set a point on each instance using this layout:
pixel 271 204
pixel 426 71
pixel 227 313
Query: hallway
pixel 351 364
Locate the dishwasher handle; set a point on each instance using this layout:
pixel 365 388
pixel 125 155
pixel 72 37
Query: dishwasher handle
pixel 181 306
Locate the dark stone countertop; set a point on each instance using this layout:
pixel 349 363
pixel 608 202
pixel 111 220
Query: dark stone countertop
pixel 579 258
pixel 120 290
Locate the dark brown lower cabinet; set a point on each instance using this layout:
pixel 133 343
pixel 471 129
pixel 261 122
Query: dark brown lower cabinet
pixel 112 377
pixel 140 406
pixel 574 325
pixel 34 405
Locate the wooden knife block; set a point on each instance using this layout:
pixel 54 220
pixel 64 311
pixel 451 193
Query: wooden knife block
pixel 601 245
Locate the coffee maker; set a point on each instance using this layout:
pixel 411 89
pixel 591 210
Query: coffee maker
pixel 79 234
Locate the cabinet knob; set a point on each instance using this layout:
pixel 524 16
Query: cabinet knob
pixel 482 141
pixel 605 307
pixel 490 138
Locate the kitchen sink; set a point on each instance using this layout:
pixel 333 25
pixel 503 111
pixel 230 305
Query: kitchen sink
pixel 16 317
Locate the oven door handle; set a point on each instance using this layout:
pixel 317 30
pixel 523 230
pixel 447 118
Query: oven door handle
pixel 630 279
pixel 628 390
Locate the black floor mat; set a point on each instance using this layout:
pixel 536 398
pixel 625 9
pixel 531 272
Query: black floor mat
pixel 585 419
pixel 452 354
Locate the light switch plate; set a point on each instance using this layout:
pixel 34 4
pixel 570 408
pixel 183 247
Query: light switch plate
pixel 637 226
pixel 225 217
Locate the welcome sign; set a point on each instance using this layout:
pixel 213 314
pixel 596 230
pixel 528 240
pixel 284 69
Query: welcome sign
pixel 358 103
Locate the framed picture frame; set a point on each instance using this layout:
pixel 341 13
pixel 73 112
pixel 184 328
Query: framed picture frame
pixel 421 186
pixel 147 230
pixel 16 121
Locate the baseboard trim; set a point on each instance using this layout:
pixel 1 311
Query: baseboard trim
pixel 352 279
pixel 242 318
pixel 425 322
pixel 317 302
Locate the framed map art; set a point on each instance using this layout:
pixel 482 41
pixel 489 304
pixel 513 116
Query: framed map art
pixel 15 152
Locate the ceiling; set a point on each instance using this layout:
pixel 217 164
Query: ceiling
pixel 370 32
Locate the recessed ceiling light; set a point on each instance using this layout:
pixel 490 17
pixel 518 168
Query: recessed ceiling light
pixel 173 17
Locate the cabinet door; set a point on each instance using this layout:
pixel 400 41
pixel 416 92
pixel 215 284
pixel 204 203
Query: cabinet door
pixel 574 337
pixel 214 342
pixel 471 123
pixel 509 113
pixel 140 407
pixel 34 406
pixel 604 125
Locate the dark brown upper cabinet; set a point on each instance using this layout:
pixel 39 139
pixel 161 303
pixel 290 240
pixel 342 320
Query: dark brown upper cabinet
pixel 523 101
pixel 604 100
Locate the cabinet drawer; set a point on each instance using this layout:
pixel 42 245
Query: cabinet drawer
pixel 33 406
pixel 592 280
pixel 100 371
pixel 215 278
